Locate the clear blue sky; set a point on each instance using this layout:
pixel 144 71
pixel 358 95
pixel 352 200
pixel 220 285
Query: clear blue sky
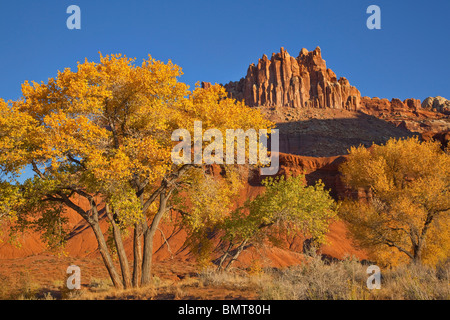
pixel 215 41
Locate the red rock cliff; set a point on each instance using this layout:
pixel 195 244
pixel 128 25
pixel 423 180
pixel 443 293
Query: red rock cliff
pixel 286 86
pixel 285 81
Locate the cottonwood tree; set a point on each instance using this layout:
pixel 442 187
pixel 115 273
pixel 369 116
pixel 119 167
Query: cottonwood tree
pixel 102 133
pixel 287 205
pixel 406 215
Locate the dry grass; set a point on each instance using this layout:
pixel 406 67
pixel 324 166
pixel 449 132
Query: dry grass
pixel 24 288
pixel 417 282
pixel 314 280
pixel 205 285
pixel 346 280
pixel 317 280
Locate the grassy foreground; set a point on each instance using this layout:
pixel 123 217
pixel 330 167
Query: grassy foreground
pixel 315 280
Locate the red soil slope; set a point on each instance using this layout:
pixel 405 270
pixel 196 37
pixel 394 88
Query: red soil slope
pixel 82 243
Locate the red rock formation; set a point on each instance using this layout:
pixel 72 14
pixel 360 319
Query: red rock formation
pixel 379 107
pixel 409 114
pixel 285 81
pixel 443 137
pixel 305 82
pixel 205 85
pixel 438 104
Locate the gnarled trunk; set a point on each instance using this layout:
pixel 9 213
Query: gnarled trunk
pixel 103 248
pixel 149 234
pixel 123 260
pixel 137 252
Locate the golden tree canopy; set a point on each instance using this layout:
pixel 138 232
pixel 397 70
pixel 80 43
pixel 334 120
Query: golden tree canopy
pixel 106 126
pixel 407 214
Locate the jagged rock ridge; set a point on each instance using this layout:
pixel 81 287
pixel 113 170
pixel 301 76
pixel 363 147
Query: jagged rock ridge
pixel 285 81
pixel 306 82
pixel 321 115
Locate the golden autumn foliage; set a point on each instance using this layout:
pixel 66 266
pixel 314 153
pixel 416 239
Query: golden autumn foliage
pixel 113 120
pixel 103 132
pixel 406 215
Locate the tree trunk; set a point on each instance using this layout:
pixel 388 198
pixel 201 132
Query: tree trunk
pixel 123 260
pixel 224 257
pixel 417 256
pixel 417 250
pixel 417 247
pixel 137 252
pixel 149 234
pixel 94 223
pixel 238 252
pixel 103 248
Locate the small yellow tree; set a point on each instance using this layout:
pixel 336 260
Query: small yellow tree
pixel 406 215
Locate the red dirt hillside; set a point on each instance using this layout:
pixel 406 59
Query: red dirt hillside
pixel 82 243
